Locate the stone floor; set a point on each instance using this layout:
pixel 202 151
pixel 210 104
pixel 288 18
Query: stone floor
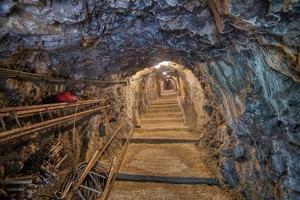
pixel 164 160
pixel 155 191
pixel 163 152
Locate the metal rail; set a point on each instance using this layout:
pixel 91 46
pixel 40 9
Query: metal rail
pixel 24 111
pixel 93 180
pixel 114 172
pixel 21 121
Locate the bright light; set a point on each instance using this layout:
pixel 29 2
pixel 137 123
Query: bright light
pixel 164 63
pixel 157 66
pixel 164 73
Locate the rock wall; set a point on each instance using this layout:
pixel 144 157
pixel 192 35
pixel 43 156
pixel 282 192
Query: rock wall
pixel 194 94
pixel 141 90
pixel 261 106
pixel 251 120
pixel 244 53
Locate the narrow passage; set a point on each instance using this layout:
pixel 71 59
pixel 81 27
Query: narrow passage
pixel 162 160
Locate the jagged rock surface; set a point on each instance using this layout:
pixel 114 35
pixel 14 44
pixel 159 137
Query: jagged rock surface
pixel 247 51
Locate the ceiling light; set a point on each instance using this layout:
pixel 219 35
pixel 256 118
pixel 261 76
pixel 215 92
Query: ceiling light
pixel 164 73
pixel 157 66
pixel 165 63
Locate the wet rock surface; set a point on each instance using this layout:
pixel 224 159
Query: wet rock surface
pixel 246 52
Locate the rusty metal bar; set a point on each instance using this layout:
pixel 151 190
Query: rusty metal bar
pixel 95 158
pixel 90 189
pixel 113 174
pixel 59 163
pixel 81 195
pixel 94 181
pixel 99 172
pixel 22 111
pixel 15 133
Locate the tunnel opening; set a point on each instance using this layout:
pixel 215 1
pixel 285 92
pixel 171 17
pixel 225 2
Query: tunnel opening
pixel 190 91
pixel 168 84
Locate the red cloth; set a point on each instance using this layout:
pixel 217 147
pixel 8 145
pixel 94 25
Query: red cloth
pixel 65 97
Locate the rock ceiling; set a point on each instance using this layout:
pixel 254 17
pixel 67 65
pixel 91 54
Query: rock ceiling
pixel 89 38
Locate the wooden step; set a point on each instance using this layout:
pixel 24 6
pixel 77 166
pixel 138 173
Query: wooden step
pixel 164 105
pixel 161 115
pixel 138 140
pixel 162 119
pixel 165 109
pixel 130 190
pixel 165 101
pixel 158 111
pixel 164 160
pixel 155 129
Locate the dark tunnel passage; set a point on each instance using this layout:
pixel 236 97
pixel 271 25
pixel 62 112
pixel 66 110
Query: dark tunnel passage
pixel 168 84
pixel 90 89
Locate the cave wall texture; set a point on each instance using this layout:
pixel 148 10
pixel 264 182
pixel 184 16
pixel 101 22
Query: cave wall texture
pixel 245 51
pixel 262 108
pixel 142 88
pixel 194 94
pixel 24 156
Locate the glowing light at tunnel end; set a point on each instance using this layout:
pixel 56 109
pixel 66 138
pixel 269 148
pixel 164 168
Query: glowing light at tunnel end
pixel 162 63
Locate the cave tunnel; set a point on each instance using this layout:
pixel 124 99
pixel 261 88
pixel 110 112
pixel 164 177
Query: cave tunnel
pixel 150 99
